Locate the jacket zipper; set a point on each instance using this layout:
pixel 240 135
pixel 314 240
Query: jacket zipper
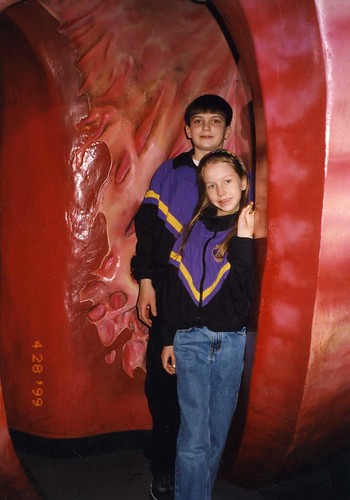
pixel 199 317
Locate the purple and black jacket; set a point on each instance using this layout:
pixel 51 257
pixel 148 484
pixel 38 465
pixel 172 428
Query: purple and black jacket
pixel 199 289
pixel 168 205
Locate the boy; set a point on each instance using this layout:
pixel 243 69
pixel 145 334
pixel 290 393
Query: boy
pixel 168 205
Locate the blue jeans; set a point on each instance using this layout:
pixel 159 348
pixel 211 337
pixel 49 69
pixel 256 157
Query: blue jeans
pixel 209 368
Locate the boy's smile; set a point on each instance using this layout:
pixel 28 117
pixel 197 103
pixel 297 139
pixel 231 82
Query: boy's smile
pixel 207 132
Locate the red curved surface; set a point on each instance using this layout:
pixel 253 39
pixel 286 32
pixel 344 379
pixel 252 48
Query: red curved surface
pixel 294 56
pixel 14 483
pixel 87 118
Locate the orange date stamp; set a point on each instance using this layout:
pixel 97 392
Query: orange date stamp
pixel 37 370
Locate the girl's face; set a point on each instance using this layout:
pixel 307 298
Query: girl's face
pixel 223 186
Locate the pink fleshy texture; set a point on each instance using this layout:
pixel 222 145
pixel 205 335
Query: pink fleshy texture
pixel 110 357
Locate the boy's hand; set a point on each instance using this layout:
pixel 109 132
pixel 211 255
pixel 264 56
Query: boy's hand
pixel 168 359
pixel 146 302
pixel 245 228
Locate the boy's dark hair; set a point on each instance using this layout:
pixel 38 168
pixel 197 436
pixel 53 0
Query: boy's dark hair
pixel 209 103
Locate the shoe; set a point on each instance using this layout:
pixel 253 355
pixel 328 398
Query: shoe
pixel 162 487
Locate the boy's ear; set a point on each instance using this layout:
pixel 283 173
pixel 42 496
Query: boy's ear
pixel 188 132
pixel 228 132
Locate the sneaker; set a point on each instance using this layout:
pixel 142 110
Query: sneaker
pixel 162 487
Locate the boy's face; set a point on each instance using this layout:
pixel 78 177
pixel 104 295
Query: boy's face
pixel 207 132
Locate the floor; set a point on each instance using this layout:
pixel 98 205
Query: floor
pixel 115 468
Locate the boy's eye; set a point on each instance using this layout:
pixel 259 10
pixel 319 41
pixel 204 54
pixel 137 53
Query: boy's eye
pixel 227 181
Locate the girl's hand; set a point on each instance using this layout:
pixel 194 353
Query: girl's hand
pixel 245 228
pixel 168 359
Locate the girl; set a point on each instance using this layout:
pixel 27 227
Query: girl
pixel 205 309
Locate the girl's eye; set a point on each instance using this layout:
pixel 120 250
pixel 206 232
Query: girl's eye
pixel 227 181
pixel 210 186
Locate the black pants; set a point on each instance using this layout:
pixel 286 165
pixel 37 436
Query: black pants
pixel 161 393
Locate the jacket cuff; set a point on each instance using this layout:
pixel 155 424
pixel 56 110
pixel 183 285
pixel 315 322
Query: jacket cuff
pixel 244 249
pixel 168 337
pixel 141 275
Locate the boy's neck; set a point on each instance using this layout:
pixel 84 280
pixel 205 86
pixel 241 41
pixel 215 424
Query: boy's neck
pixel 198 153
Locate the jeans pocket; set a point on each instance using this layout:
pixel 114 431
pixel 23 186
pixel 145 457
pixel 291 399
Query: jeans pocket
pixel 182 336
pixel 183 331
pixel 242 332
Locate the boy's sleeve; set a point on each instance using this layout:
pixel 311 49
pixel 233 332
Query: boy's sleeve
pixel 145 227
pixel 167 302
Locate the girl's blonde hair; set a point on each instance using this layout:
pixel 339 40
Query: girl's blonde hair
pixel 216 156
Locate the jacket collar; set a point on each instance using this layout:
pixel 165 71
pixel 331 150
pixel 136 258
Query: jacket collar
pixel 218 223
pixel 184 159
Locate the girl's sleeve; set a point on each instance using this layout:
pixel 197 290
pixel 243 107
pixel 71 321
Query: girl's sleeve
pixel 241 258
